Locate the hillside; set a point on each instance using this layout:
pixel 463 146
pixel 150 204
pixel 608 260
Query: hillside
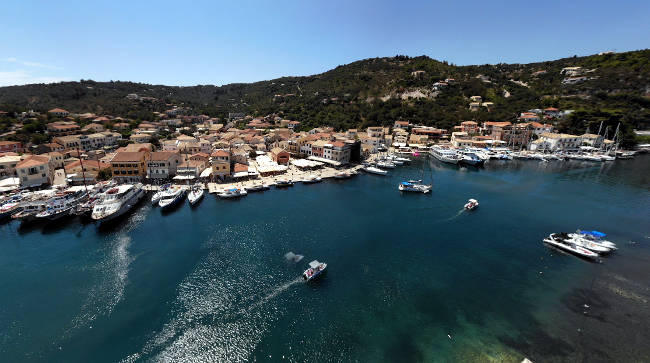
pixel 379 91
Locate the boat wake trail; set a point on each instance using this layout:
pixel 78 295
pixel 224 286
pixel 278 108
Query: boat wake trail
pixel 455 216
pixel 274 293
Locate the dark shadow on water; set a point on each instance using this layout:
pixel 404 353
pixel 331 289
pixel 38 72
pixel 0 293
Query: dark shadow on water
pixel 403 349
pixel 174 208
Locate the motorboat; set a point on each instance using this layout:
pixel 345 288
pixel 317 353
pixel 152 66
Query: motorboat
pixel 232 193
pixel 171 197
pixel 257 187
pixel 283 183
pixel 471 159
pixel 414 186
pixel 625 154
pixel 444 154
pixel 343 175
pixel 311 179
pixel 374 170
pixel 385 164
pixel 404 151
pixel 117 201
pixel 596 236
pixel 471 204
pixel 605 157
pixel 9 209
pixel 62 205
pixel 155 198
pixel 315 269
pixel 563 242
pixel 29 210
pixel 196 194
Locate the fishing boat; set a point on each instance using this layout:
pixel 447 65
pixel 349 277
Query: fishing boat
pixel 257 187
pixel 155 198
pixel 62 205
pixel 117 201
pixel 232 193
pixel 595 236
pixel 315 269
pixel 171 197
pixel 311 179
pixel 471 204
pixel 564 243
pixel 374 170
pixel 444 154
pixel 414 186
pixel 283 183
pixel 195 195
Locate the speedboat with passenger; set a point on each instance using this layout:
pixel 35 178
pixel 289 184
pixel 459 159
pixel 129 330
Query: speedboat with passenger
pixel 594 236
pixel 565 243
pixel 471 204
pixel 315 269
pixel 414 186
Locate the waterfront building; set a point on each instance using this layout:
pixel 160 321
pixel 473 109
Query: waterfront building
pixel 162 165
pixel 280 156
pixel 75 173
pixel 557 142
pixel 34 170
pixel 469 127
pixel 220 162
pixel 592 140
pixel 8 165
pixel 129 166
pixel 461 139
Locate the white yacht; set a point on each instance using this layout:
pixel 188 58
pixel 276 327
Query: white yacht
pixel 155 198
pixel 315 269
pixel 233 193
pixel 594 236
pixel 257 187
pixel 343 175
pixel 195 195
pixel 444 154
pixel 117 201
pixel 374 170
pixel 283 183
pixel 386 164
pixel 171 197
pixel 563 242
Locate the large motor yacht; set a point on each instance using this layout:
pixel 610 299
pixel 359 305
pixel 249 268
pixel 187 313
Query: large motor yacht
pixel 444 154
pixel 117 201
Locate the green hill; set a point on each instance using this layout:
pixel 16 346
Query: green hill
pixel 379 91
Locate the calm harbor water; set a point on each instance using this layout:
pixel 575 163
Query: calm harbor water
pixel 411 277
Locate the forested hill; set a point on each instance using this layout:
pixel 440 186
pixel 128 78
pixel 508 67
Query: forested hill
pixel 616 87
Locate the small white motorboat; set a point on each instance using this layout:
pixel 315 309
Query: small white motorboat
pixel 311 179
pixel 374 170
pixel 386 164
pixel 195 195
pixel 257 188
pixel 315 269
pixel 233 193
pixel 283 183
pixel 171 197
pixel 471 204
pixel 414 186
pixel 564 243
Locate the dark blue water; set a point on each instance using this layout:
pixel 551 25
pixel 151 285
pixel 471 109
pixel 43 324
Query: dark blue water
pixel 406 272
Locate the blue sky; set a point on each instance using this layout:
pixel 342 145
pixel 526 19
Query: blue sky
pixel 212 42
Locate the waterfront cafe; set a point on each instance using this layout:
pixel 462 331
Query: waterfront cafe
pixel 305 164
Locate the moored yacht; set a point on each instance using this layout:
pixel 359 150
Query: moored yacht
pixel 386 164
pixel 283 183
pixel 315 269
pixel 257 187
pixel 444 154
pixel 171 197
pixel 343 175
pixel 470 158
pixel 117 201
pixel 155 198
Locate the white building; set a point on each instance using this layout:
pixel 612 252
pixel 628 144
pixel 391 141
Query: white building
pixel 556 142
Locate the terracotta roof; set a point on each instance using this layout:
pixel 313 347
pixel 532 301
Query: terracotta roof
pixel 161 155
pixel 57 110
pixel 88 164
pixel 240 167
pixel 221 153
pixel 127 156
pixel 9 142
pixel 495 123
pixel 33 160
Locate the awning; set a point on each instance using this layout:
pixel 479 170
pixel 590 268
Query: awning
pixel 206 173
pixel 323 160
pixel 184 177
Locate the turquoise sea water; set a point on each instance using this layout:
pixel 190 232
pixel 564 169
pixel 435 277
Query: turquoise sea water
pixel 410 277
